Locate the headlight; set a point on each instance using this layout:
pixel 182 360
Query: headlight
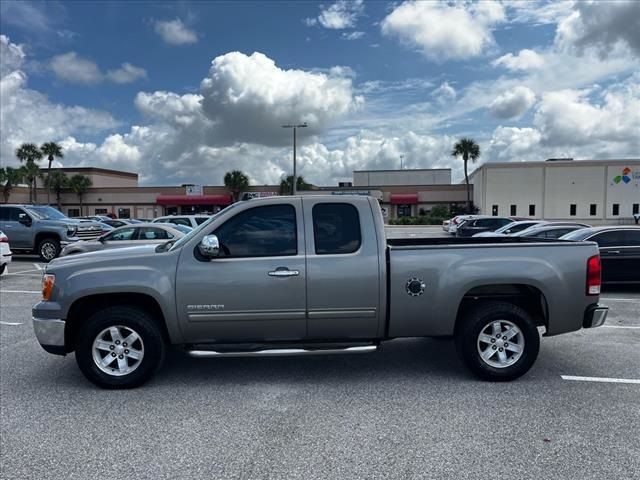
pixel 48 279
pixel 72 230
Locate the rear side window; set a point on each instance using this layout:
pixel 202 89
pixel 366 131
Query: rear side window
pixel 200 220
pixel 631 238
pixel 150 233
pixel 336 228
pixel 180 221
pixel 267 231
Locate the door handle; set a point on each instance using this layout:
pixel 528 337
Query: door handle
pixel 284 272
pixel 613 252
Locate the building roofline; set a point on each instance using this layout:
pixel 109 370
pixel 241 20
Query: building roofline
pixel 92 170
pixel 403 170
pixel 556 163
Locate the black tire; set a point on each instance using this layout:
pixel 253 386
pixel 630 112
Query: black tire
pixel 476 321
pixel 48 249
pixel 132 318
pixel 3 267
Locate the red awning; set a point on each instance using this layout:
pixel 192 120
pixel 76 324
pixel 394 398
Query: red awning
pixel 404 198
pixel 193 200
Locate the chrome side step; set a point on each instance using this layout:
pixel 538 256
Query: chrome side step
pixel 276 352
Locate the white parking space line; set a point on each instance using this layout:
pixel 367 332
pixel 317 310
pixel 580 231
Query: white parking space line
pixel 13 324
pixel 600 379
pixel 612 299
pixel 620 326
pixel 22 272
pixel 37 266
pixel 21 291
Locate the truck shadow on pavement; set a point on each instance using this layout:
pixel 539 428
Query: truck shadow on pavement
pixel 400 360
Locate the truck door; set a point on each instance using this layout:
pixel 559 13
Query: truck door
pixel 342 269
pixel 17 226
pixel 255 289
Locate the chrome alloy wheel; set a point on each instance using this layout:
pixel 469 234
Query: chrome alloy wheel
pixel 48 251
pixel 118 350
pixel 500 343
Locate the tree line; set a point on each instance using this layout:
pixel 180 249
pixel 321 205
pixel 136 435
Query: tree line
pixel 29 154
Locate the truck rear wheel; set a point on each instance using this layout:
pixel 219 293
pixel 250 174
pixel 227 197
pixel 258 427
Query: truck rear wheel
pixel 48 249
pixel 498 341
pixel 119 347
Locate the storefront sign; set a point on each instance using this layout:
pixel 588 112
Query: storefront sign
pixel 194 190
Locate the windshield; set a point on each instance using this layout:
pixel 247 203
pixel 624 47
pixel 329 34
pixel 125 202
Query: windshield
pixel 577 235
pixel 47 213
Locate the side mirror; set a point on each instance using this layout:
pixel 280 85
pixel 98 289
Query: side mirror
pixel 209 246
pixel 25 219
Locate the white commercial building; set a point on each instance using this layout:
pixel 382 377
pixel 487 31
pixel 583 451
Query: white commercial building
pixel 597 192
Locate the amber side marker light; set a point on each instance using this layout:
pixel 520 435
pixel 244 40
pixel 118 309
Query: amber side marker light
pixel 47 286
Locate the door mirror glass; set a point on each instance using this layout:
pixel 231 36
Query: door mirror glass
pixel 209 246
pixel 24 219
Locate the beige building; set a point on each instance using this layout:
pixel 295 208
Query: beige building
pixel 597 192
pixel 115 192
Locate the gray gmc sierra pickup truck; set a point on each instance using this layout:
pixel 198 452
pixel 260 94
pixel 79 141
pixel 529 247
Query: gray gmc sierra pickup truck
pixel 313 275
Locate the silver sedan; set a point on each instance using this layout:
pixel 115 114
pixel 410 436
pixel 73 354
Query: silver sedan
pixel 127 236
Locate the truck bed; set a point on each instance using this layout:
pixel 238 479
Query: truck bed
pixel 467 241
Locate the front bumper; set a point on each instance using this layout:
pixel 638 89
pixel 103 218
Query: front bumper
pixel 50 334
pixel 595 316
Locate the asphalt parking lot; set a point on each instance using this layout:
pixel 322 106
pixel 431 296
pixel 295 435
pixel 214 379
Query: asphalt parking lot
pixel 407 411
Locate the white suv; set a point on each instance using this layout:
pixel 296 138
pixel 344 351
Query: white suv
pixel 189 220
pixel 5 253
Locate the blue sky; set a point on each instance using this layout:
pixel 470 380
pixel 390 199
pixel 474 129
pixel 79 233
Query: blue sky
pixel 131 85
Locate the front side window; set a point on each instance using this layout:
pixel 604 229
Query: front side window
pixel 608 239
pixel 120 235
pixel 336 228
pixel 267 231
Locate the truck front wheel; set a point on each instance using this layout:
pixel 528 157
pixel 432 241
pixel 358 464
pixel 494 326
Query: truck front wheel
pixel 119 347
pixel 48 249
pixel 498 341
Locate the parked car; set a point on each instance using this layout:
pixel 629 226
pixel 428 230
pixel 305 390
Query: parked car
pixel 547 231
pixel 5 253
pixel 445 225
pixel 527 231
pixel 127 236
pixel 113 222
pixel 457 221
pixel 189 220
pixel 43 230
pixel 509 228
pixel 619 251
pixel 470 227
pixel 315 275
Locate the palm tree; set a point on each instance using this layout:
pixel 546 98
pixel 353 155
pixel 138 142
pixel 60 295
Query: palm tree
pixel 237 182
pixel 56 181
pixel 51 150
pixel 467 149
pixel 79 184
pixel 286 185
pixel 29 153
pixel 9 178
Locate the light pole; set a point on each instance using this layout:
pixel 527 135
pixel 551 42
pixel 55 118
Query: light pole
pixel 401 159
pixel 294 180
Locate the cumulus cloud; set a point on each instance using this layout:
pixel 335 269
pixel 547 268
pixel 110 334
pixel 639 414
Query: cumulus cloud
pixel 127 73
pixel 526 59
pixel 339 15
pixel 444 93
pixel 352 35
pixel 72 68
pixel 603 26
pixel 570 117
pixel 249 98
pixel 513 103
pixel 27 115
pixel 444 31
pixel 11 56
pixel 576 123
pixel 175 32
